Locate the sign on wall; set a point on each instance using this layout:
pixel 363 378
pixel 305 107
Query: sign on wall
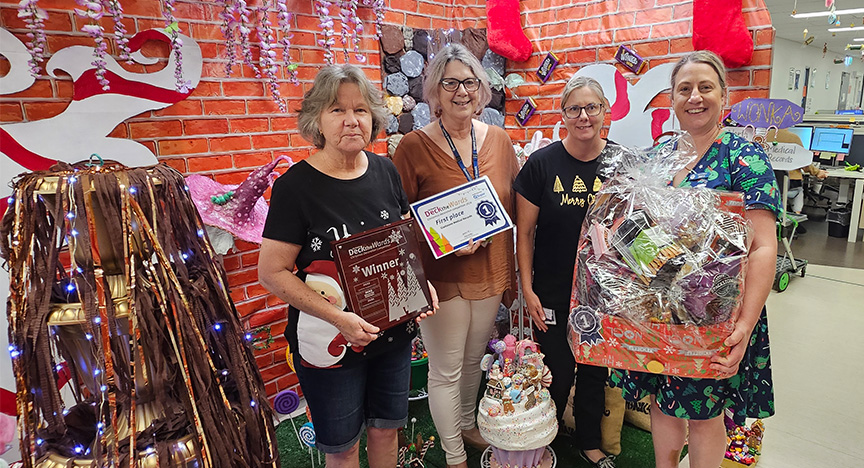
pixel 764 113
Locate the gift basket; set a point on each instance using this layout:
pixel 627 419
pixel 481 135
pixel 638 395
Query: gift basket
pixel 660 270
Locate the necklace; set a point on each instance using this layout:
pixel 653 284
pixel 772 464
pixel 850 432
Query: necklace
pixel 456 155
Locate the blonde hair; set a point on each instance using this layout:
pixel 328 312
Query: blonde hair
pixel 435 73
pixel 577 82
pixel 702 56
pixel 323 94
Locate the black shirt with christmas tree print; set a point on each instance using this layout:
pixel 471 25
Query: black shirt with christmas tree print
pixel 563 187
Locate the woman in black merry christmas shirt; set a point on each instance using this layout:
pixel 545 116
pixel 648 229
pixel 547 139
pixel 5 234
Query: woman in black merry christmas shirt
pixel 555 188
pixel 352 373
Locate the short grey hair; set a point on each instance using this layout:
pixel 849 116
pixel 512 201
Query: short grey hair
pixel 583 82
pixel 435 72
pixel 702 56
pixel 324 93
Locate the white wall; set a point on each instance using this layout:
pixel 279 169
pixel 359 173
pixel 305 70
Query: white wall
pixel 789 54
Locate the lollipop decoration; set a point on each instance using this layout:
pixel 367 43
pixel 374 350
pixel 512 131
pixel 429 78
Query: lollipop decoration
pixel 286 402
pixel 307 434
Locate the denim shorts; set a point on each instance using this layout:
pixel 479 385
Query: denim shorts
pixel 345 400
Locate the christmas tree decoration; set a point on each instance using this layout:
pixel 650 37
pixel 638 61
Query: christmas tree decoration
pixel 129 295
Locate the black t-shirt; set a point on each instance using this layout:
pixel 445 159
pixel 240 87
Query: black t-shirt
pixel 562 187
pixel 310 209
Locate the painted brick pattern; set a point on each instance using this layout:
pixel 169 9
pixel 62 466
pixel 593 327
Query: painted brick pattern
pixel 229 125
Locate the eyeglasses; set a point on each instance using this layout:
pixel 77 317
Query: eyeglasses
pixel 573 112
pixel 452 84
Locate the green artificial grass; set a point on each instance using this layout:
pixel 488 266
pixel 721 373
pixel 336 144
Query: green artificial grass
pixel 636 448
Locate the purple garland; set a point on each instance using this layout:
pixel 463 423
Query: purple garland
pixel 229 31
pixel 325 22
pixel 378 9
pixel 267 56
pixel 116 11
pixel 244 12
pixel 34 17
pixel 285 18
pixel 237 20
pixel 348 15
pixel 173 29
pixel 94 13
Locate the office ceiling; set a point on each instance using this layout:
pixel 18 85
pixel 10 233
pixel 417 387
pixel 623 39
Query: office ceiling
pixel 793 28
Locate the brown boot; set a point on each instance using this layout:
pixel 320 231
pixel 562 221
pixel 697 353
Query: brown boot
pixel 473 438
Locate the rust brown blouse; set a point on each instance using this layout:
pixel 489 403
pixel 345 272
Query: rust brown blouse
pixel 427 169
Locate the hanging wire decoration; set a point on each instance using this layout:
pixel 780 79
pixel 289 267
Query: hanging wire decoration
pixel 112 277
pixel 242 23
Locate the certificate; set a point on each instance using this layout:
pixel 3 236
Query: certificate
pixel 452 218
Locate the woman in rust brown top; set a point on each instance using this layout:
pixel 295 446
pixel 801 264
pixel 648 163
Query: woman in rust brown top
pixel 448 152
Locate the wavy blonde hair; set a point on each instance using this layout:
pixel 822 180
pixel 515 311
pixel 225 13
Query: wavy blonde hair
pixel 324 93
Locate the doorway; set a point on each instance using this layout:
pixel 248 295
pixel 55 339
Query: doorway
pixel 844 91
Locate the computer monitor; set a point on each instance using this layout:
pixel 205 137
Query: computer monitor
pixel 856 155
pixel 834 140
pixel 804 133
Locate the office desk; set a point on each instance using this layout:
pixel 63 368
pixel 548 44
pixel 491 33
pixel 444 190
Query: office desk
pixel 846 178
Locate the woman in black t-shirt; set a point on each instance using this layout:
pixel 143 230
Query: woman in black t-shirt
pixel 352 374
pixel 554 190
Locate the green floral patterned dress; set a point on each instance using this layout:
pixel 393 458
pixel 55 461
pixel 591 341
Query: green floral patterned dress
pixel 732 163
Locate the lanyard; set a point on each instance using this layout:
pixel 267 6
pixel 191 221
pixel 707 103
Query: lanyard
pixel 459 158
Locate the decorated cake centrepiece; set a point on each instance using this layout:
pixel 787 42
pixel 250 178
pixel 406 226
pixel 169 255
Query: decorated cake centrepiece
pixel 516 415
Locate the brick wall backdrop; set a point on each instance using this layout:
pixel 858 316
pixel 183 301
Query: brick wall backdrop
pixel 229 125
pixel 582 33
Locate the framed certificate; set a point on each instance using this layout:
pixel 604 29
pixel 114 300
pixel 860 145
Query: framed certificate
pixel 382 275
pixel 452 218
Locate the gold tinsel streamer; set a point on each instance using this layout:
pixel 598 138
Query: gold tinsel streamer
pixel 112 276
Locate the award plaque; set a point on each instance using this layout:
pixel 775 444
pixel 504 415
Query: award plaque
pixel 382 275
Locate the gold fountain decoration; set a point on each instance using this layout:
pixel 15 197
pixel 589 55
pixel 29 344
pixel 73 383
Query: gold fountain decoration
pixel 112 277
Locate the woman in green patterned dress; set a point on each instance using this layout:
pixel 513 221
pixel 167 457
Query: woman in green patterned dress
pixel 728 162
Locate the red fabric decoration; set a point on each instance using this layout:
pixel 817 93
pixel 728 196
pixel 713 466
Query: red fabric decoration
pixel 720 28
pixel 504 30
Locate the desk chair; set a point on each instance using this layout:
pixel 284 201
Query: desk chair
pixel 819 197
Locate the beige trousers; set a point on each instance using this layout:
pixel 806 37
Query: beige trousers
pixel 456 338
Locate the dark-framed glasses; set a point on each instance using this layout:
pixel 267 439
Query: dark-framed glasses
pixel 452 84
pixel 592 109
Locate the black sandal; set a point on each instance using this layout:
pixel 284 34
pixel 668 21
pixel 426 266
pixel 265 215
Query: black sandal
pixel 606 462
